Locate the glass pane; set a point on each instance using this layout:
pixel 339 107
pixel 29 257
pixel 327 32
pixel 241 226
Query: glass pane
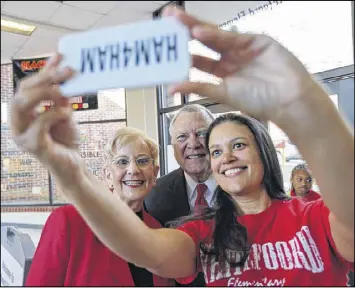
pixel 23 179
pixel 304 28
pixel 170 161
pixel 93 138
pixel 197 48
pixel 169 100
pixel 111 105
pixel 288 156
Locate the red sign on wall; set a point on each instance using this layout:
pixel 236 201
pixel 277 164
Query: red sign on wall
pixel 25 67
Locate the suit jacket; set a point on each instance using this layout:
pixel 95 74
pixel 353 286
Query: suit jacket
pixel 69 254
pixel 169 201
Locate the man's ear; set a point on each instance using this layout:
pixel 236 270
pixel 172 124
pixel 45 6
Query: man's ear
pixel 107 173
pixel 156 171
pixel 108 179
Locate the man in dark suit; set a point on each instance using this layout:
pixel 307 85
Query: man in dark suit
pixel 176 194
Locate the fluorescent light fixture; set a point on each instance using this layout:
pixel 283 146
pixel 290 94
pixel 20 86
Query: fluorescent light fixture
pixel 18 28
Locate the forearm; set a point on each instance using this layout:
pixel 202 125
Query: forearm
pixel 113 221
pixel 327 144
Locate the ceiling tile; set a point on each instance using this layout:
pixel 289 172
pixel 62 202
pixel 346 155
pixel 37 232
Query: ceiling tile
pixel 161 2
pixel 27 53
pixel 126 18
pixel 75 18
pixel 102 7
pixel 15 40
pixel 143 6
pixel 31 10
pixel 42 45
pixel 74 15
pixel 41 32
pixel 6 55
pixel 9 48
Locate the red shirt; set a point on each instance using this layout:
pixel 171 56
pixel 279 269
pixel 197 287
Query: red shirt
pixel 310 196
pixel 69 254
pixel 291 245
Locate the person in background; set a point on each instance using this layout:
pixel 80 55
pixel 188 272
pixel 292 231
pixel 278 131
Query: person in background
pixel 301 184
pixel 180 191
pixel 69 253
pixel 177 193
pixel 253 235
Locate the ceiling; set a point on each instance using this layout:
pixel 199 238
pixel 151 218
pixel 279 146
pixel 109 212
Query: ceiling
pixel 53 19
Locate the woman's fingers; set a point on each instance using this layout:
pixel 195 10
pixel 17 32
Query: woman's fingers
pixel 26 101
pixel 45 121
pixel 48 77
pixel 65 132
pixel 229 63
pixel 184 18
pixel 219 68
pixel 53 62
pixel 35 138
pixel 208 65
pixel 221 41
pixel 209 34
pixel 204 89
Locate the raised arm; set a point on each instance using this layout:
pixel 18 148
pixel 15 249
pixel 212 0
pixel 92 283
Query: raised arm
pixel 261 78
pixel 51 137
pixel 327 144
pixel 169 253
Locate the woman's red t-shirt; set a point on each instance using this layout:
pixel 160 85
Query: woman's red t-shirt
pixel 311 196
pixel 69 254
pixel 291 245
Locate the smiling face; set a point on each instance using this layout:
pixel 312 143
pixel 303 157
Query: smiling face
pixel 133 172
pixel 235 161
pixel 301 182
pixel 188 139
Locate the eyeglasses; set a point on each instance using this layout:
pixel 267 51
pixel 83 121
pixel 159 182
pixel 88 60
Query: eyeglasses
pixel 184 136
pixel 141 162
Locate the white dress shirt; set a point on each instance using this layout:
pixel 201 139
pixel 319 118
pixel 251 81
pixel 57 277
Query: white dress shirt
pixel 192 191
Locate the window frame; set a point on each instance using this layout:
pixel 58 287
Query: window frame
pixel 161 110
pixel 51 202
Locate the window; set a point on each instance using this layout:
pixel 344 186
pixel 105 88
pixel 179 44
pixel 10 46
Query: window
pixel 93 138
pixel 304 28
pixel 24 182
pixel 197 48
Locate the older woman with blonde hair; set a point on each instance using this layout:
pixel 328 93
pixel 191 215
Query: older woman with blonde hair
pixel 69 254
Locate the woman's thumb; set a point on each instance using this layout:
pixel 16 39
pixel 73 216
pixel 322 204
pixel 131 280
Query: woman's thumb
pixel 53 116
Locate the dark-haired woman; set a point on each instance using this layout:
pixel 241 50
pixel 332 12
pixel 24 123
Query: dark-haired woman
pixel 301 184
pixel 254 236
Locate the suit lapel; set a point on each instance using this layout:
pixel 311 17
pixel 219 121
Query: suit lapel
pixel 178 189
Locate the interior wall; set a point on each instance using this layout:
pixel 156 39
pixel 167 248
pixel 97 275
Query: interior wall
pixel 220 11
pixel 141 105
pixel 345 90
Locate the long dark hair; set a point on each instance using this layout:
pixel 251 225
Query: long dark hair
pixel 229 235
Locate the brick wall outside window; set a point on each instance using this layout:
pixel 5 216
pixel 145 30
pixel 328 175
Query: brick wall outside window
pixel 23 179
